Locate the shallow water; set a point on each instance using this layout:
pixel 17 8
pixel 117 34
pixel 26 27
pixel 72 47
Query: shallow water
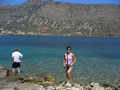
pixel 97 57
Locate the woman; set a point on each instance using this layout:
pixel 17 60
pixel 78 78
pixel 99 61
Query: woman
pixel 69 61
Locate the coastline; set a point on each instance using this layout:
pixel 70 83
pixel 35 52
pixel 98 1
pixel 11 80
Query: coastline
pixel 70 34
pixel 12 81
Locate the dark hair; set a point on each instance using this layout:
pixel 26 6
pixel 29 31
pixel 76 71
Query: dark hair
pixel 68 47
pixel 15 49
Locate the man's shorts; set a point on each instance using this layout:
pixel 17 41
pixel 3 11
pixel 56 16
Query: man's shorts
pixel 16 65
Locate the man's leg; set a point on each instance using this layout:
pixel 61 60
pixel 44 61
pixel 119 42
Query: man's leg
pixel 18 69
pixel 13 67
pixel 13 70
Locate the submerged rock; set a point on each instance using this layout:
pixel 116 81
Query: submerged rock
pixel 29 79
pixel 49 78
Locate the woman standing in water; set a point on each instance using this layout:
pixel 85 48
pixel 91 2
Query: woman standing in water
pixel 69 61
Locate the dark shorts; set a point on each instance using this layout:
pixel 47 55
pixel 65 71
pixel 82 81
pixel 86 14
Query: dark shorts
pixel 16 65
pixel 68 67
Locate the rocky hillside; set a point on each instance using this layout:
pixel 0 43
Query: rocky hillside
pixel 48 17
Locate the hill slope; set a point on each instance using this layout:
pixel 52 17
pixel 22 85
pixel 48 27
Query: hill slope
pixel 47 17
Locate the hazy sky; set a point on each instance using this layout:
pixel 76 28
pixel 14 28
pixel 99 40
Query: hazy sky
pixel 14 2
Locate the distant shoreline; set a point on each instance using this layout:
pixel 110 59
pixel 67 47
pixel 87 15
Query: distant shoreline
pixel 71 34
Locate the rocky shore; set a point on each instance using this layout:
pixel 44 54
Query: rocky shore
pixel 13 81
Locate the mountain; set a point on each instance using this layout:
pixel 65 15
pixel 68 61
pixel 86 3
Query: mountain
pixel 49 17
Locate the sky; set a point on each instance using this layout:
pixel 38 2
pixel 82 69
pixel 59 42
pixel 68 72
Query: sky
pixel 92 1
pixel 12 2
pixel 16 2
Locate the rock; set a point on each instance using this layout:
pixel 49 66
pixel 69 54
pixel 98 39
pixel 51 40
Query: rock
pixel 109 88
pixel 26 86
pixel 29 79
pixel 98 88
pixel 14 77
pixel 49 78
pixel 50 88
pixel 105 85
pixel 8 89
pixel 74 88
pixel 76 85
pixel 84 88
pixel 39 87
pixel 81 88
pixel 4 72
pixel 96 85
pixel 62 83
pixel 59 88
pixel 93 84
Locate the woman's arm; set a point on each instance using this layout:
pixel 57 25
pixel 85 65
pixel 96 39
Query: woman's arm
pixel 74 59
pixel 64 61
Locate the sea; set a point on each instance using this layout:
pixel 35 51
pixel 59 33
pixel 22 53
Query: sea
pixel 98 58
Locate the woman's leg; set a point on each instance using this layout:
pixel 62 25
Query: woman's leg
pixel 68 74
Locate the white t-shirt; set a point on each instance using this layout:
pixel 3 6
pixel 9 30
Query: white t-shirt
pixel 17 56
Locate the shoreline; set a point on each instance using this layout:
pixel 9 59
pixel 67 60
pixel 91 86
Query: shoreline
pixel 71 34
pixel 47 83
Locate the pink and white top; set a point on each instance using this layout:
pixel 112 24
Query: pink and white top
pixel 68 58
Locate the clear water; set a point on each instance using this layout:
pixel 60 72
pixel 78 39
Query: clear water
pixel 98 58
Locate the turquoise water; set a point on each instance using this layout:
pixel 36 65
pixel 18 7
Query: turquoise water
pixel 98 58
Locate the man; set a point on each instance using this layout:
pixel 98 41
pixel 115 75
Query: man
pixel 16 60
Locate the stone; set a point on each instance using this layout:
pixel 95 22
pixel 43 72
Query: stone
pixel 8 89
pixel 59 88
pixel 74 88
pixel 84 88
pixel 4 72
pixel 28 79
pixel 49 78
pixel 76 85
pixel 98 88
pixel 108 88
pixel 96 85
pixel 50 88
pixel 39 87
pixel 81 88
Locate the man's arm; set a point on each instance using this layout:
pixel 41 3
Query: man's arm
pixel 12 58
pixel 21 56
